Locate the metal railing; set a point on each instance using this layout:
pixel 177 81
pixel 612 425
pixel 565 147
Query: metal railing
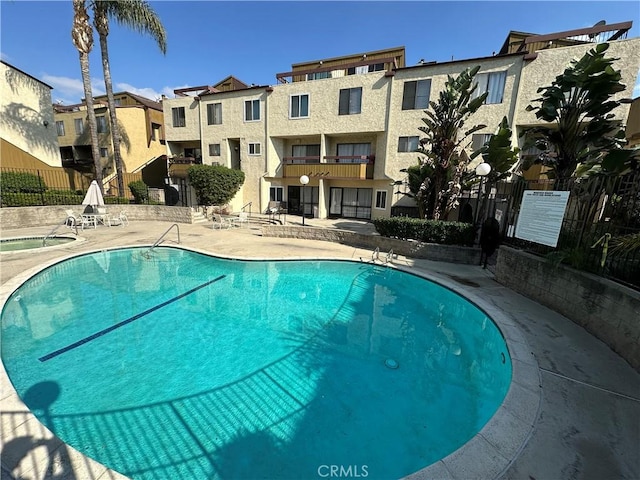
pixel 165 234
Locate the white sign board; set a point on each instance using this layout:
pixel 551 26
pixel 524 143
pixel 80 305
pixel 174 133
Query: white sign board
pixel 541 214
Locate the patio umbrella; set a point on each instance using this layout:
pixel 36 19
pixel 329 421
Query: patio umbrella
pixel 93 196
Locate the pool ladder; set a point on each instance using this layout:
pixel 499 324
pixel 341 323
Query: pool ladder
pixel 55 229
pixel 375 256
pixel 165 234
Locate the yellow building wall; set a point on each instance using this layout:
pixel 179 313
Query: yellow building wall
pixel 137 128
pixel 26 115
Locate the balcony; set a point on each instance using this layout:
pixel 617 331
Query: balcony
pixel 353 167
pixel 178 166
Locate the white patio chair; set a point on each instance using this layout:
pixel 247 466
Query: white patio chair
pixel 120 219
pixel 220 222
pixel 243 219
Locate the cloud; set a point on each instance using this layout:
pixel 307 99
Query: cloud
pixel 70 90
pixel 147 92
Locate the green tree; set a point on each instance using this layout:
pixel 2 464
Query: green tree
pixel 500 155
pixel 215 184
pixel 443 145
pixel 139 16
pixel 82 36
pixel 579 104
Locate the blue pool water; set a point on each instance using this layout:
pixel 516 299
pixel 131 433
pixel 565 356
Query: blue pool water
pixel 172 364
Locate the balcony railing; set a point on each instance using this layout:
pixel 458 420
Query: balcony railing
pixel 178 166
pixel 355 167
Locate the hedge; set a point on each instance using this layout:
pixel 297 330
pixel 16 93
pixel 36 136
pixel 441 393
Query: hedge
pixel 59 197
pixel 21 182
pixel 215 184
pixel 428 231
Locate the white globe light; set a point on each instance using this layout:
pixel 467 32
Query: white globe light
pixel 304 179
pixel 483 169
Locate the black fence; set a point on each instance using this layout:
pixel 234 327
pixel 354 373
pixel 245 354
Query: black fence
pixel 55 186
pixel 600 211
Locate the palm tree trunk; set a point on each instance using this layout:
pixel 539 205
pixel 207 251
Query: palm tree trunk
pixel 115 129
pixel 82 36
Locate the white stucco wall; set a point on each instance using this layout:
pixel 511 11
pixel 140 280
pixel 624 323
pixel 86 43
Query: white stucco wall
pixel 26 115
pixel 552 62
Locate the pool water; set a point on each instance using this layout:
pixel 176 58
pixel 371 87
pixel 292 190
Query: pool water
pixel 173 364
pixel 13 244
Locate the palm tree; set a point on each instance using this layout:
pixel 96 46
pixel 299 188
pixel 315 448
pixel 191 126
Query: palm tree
pixel 138 15
pixel 82 36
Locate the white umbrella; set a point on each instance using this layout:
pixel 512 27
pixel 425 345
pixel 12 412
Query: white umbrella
pixel 93 196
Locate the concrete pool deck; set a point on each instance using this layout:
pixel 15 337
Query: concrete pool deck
pixel 573 410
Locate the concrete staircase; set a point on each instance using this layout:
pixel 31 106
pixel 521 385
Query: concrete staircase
pixel 198 217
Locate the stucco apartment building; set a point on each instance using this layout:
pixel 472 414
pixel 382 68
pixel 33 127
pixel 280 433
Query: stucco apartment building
pixel 27 132
pixel 351 123
pixel 142 145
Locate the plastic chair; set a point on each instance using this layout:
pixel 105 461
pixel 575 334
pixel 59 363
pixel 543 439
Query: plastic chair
pixel 120 219
pixel 243 219
pixel 220 222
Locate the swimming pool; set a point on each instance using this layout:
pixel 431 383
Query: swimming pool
pixel 179 365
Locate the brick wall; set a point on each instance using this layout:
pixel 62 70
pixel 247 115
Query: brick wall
pixel 607 310
pixel 429 251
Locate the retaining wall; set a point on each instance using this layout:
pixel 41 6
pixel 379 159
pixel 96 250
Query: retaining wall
pixel 20 217
pixel 429 251
pixel 607 310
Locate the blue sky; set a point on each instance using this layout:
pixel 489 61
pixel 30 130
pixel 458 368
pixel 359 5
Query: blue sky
pixel 207 41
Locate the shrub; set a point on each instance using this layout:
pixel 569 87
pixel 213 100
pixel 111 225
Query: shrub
pixel 215 184
pixel 21 182
pixel 428 231
pixel 116 200
pixel 139 191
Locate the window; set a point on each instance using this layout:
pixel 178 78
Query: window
pixel 79 124
pixel 358 70
pixel 300 151
pixel 104 152
pixel 179 119
pixel 416 95
pixel 60 128
pixel 214 114
pixel 102 124
pixel 350 101
pixel 254 148
pixel 376 67
pixel 155 128
pixel 493 83
pixel 358 150
pixel 276 194
pixel 251 110
pixel 479 139
pixel 299 106
pixel 214 149
pixel 318 75
pixel 408 144
pixel 381 199
pixel 117 102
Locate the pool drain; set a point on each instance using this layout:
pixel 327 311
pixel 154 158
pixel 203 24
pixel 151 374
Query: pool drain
pixel 391 363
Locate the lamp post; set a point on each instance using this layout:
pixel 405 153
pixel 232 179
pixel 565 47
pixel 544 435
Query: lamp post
pixel 482 171
pixel 303 180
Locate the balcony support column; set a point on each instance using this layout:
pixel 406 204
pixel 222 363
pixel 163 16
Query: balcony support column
pixel 322 204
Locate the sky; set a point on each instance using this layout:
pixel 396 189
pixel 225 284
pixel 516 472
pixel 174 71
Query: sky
pixel 208 41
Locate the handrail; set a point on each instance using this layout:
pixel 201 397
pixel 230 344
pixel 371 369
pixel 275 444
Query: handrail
pixel 55 229
pixel 389 257
pixel 376 254
pixel 165 233
pixel 247 205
